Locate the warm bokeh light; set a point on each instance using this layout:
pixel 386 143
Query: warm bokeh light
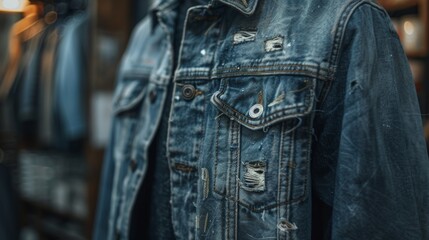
pixel 409 28
pixel 12 5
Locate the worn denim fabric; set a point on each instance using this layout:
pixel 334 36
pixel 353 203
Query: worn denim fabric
pixel 289 120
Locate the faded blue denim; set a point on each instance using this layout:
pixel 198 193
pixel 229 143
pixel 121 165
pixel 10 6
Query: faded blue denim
pixel 278 106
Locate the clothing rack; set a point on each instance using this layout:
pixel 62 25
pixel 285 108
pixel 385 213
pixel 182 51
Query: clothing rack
pixel 49 44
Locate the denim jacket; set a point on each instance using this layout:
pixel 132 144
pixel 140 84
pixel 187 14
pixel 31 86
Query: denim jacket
pixel 290 119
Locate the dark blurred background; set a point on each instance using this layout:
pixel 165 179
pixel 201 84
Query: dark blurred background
pixel 58 64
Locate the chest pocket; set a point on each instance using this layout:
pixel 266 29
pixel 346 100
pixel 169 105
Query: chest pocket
pixel 263 139
pixel 127 102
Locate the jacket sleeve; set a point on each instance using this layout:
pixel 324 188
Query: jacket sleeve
pixel 370 167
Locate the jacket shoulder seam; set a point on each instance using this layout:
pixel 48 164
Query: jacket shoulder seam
pixel 341 28
pixel 340 31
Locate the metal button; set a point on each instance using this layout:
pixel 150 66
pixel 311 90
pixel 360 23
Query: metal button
pixel 133 165
pixel 153 95
pixel 188 92
pixel 256 111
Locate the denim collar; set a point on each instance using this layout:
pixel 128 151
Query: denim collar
pixel 247 7
pixel 163 10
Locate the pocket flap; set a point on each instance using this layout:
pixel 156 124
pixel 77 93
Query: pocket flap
pixel 258 102
pixel 129 93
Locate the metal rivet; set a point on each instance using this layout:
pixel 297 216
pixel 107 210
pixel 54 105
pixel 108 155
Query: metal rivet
pixel 153 95
pixel 188 92
pixel 133 165
pixel 256 111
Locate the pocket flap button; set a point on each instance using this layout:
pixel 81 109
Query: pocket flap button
pixel 256 111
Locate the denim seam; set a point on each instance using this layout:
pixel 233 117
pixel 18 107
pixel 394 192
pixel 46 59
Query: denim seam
pixel 279 177
pixel 289 179
pixel 203 123
pixel 237 133
pixel 215 176
pixel 228 177
pixel 340 31
pixel 338 41
pixel 268 72
pixel 306 163
pixel 305 69
pixel 302 65
pixel 169 160
pixel 250 73
pixel 268 120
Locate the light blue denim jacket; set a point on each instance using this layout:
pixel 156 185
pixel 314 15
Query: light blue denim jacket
pixel 290 119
